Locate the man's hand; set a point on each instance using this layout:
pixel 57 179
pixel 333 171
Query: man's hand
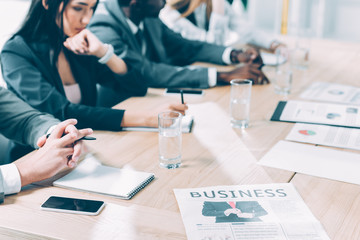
pixel 248 71
pixel 250 55
pixel 59 151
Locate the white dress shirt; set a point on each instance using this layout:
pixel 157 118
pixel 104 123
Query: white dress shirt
pixel 73 93
pixel 11 180
pixel 226 29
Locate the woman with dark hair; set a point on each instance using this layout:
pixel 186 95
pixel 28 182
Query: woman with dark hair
pixel 54 64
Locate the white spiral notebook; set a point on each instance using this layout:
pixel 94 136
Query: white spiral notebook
pixel 91 176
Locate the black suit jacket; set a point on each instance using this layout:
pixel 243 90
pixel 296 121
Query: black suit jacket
pixel 29 72
pixel 168 54
pixel 217 210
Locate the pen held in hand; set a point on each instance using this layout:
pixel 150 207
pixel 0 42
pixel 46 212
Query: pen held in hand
pixel 83 138
pixel 182 96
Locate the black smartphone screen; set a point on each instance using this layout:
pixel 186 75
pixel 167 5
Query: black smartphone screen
pixel 73 204
pixel 185 91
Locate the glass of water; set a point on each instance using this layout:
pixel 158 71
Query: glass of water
pixel 283 81
pixel 170 139
pixel 240 102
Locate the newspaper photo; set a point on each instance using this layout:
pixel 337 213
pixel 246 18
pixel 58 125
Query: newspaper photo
pixel 271 211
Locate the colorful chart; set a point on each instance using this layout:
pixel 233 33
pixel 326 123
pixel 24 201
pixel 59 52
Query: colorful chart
pixel 307 132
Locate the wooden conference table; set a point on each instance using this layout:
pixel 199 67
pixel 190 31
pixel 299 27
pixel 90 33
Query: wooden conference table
pixel 213 154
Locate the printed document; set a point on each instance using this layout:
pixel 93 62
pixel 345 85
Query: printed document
pixel 317 161
pixel 332 92
pixel 340 137
pixel 242 212
pixel 319 113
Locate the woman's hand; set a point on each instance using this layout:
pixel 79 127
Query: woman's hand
pixel 86 43
pixel 150 118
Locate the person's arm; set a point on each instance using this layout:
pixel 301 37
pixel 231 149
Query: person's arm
pixel 248 71
pixel 27 80
pixel 149 118
pixel 52 157
pixel 21 122
pixel 154 74
pixel 86 43
pixel 218 25
pixel 182 51
pixel 172 19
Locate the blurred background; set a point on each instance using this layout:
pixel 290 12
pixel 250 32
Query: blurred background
pixel 330 19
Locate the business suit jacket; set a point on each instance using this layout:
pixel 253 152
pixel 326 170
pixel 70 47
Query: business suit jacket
pixel 167 52
pixel 217 210
pixel 30 73
pixel 20 122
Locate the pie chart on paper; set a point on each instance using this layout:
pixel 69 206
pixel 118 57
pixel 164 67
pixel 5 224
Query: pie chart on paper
pixel 307 132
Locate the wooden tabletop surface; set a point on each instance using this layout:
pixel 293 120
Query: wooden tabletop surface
pixel 213 154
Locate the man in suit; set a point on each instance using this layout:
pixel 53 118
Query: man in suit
pixel 246 211
pixel 22 123
pixel 163 56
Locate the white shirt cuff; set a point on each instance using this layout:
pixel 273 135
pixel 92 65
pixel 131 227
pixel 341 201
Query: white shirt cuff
pixel 226 55
pixel 11 178
pixel 212 73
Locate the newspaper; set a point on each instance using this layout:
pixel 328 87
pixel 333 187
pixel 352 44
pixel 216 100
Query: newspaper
pixel 271 211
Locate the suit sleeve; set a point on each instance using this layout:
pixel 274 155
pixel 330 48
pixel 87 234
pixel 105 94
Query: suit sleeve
pixel 154 74
pixel 125 85
pixel 20 122
pixel 23 78
pixel 184 51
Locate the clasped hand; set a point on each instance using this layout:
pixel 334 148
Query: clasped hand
pixel 250 55
pixel 86 43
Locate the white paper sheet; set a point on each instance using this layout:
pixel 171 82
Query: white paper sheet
pixel 322 113
pixel 340 137
pixel 316 161
pixel 332 92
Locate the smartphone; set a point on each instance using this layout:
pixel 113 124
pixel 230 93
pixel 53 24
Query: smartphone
pixel 185 91
pixel 73 205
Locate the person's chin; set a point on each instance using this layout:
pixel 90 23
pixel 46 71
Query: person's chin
pixel 77 30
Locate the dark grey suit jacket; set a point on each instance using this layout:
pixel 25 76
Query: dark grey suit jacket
pixel 168 54
pixel 20 122
pixel 29 72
